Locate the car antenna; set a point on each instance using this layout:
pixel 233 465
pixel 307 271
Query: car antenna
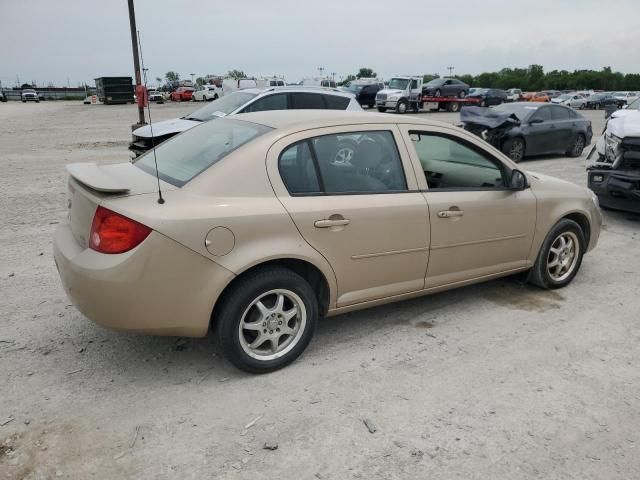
pixel 153 140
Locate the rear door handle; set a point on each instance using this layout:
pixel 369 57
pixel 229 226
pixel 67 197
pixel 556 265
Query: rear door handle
pixel 450 213
pixel 331 223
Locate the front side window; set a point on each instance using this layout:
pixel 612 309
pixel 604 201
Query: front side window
pixel 270 102
pixel 449 164
pixel 543 114
pixel 349 163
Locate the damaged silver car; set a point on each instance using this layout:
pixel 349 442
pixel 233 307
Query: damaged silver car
pixel 613 164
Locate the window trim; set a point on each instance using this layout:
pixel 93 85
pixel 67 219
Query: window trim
pixel 321 185
pixel 504 168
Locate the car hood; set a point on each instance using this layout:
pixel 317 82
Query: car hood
pixel 167 127
pixel 542 182
pixel 390 91
pixel 624 123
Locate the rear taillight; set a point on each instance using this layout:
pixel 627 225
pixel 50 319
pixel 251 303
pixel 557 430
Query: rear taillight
pixel 115 233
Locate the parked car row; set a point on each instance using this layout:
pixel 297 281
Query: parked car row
pixel 244 101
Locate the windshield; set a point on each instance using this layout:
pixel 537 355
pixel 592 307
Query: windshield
pixel 192 152
pixel 221 107
pixel 398 83
pixel 635 105
pixel 479 91
pixel 521 111
pixel 354 87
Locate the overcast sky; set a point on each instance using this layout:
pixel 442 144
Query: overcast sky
pixel 50 41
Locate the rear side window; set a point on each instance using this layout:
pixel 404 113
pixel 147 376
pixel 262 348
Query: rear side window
pixel 336 103
pixel 360 162
pixel 270 102
pixel 298 170
pixel 192 152
pixel 307 101
pixel 559 113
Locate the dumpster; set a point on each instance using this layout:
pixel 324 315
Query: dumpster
pixel 114 90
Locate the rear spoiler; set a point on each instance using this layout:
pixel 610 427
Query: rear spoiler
pixel 97 177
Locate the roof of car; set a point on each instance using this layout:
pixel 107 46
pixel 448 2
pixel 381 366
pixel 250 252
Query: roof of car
pixel 303 119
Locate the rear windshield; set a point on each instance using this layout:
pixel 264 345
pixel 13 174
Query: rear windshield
pixel 185 156
pixel 222 106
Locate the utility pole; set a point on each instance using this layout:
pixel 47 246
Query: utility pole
pixel 450 70
pixel 136 60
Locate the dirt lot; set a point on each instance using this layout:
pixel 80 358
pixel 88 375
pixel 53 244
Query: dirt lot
pixel 500 380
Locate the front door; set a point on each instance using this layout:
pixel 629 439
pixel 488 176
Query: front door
pixel 479 227
pixel 348 192
pixel 541 134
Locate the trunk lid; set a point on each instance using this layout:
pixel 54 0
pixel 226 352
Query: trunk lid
pixel 90 185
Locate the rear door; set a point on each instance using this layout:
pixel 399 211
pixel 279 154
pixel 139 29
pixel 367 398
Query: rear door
pixel 364 213
pixel 564 125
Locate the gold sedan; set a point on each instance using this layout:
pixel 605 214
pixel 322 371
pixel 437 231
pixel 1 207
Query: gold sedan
pixel 271 220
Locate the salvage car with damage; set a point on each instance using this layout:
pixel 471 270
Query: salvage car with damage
pixel 613 165
pixel 522 129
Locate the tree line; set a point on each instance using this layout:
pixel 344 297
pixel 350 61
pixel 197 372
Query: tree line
pixel 534 78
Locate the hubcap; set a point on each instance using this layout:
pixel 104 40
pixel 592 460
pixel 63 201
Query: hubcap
pixel 563 256
pixel 272 324
pixel 579 146
pixel 516 150
pixel 402 107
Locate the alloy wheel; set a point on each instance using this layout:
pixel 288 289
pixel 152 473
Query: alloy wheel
pixel 272 324
pixel 563 256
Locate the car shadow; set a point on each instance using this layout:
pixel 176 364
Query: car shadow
pixel 131 358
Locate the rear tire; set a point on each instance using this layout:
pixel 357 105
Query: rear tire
pixel 559 260
pixel 250 312
pixel 514 148
pixel 577 147
pixel 462 94
pixel 382 109
pixel 454 107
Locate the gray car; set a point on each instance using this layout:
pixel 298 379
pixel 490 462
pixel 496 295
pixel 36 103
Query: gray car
pixel 445 87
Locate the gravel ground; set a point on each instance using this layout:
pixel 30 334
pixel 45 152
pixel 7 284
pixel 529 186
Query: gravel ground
pixel 499 380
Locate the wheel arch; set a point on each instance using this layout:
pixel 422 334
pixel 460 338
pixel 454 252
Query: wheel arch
pixel 306 269
pixel 583 221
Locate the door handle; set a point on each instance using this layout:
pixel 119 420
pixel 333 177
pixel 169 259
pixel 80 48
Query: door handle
pixel 450 213
pixel 338 222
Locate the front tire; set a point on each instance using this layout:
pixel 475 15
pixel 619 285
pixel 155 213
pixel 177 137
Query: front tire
pixel 560 256
pixel 514 148
pixel 382 109
pixel 267 320
pixel 437 93
pixel 402 107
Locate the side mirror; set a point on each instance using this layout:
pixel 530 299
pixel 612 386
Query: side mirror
pixel 518 180
pixel 535 120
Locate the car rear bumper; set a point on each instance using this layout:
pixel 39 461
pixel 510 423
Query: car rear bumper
pixel 160 287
